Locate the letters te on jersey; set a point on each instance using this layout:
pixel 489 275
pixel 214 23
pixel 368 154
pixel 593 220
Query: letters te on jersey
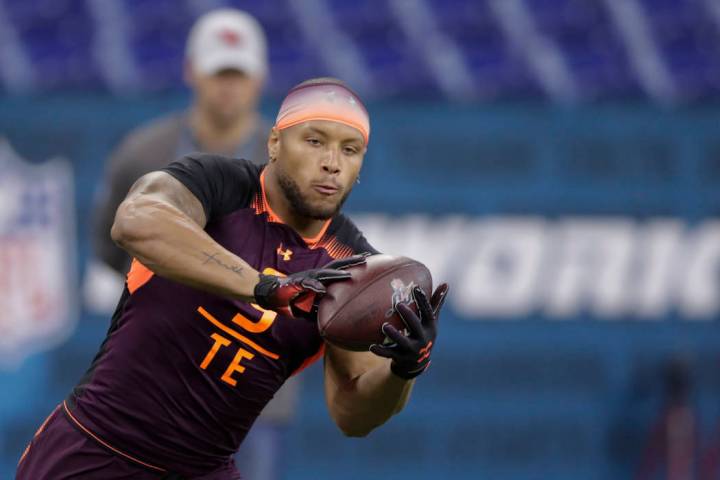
pixel 37 255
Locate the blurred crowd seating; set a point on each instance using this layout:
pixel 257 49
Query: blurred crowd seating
pixel 69 44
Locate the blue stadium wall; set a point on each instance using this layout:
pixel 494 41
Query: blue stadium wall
pixel 529 395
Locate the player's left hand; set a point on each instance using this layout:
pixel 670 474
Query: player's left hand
pixel 411 354
pixel 297 294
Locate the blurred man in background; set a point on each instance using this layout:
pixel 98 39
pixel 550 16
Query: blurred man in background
pixel 226 67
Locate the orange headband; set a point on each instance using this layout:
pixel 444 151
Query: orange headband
pixel 323 102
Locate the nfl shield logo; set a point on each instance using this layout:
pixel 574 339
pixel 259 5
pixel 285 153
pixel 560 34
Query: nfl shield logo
pixel 37 255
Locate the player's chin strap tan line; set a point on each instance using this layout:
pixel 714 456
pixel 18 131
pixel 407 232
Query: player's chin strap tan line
pixel 323 101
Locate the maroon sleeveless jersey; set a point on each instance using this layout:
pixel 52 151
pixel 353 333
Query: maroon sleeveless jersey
pixel 182 373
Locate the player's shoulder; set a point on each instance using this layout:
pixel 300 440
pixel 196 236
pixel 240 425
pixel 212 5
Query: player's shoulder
pixel 227 165
pixel 220 168
pixel 222 184
pixel 346 232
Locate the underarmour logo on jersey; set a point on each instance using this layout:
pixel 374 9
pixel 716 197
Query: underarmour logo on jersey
pixel 286 254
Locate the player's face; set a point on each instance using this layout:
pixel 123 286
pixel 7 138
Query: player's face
pixel 227 95
pixel 317 164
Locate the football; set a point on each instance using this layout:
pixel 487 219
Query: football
pixel 352 312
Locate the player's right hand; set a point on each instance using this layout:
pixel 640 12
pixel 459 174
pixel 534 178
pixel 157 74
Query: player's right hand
pixel 296 295
pixel 411 354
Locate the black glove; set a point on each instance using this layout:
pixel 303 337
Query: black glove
pixel 296 295
pixel 411 354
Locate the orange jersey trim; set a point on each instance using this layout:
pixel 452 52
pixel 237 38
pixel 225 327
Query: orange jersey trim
pixel 38 432
pixel 237 335
pixel 310 360
pixel 138 275
pixel 334 247
pixel 107 445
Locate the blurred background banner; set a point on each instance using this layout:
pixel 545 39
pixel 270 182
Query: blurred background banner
pixel 557 161
pixel 37 263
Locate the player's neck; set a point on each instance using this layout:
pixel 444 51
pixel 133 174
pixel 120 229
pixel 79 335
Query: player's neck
pixel 304 226
pixel 217 137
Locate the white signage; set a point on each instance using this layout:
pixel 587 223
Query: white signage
pixel 37 255
pixel 599 267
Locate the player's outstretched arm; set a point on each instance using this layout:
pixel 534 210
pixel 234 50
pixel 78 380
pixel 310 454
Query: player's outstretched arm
pixel 161 223
pixel 360 391
pixel 363 389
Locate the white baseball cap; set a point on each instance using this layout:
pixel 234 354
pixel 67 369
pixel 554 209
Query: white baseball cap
pixel 227 38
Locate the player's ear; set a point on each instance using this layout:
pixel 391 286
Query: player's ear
pixel 273 144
